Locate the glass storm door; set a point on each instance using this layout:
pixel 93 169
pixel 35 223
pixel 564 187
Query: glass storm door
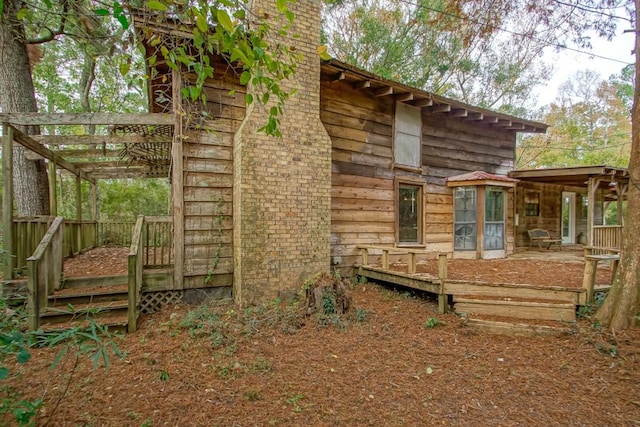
pixel 568 217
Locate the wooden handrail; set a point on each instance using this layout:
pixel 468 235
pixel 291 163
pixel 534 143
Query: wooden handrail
pixel 45 271
pixel 135 264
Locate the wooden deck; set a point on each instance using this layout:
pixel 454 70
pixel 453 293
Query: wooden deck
pixel 476 297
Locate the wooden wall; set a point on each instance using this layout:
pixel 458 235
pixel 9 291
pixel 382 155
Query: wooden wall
pixel 363 177
pixel 550 210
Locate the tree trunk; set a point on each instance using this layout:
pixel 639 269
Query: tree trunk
pixel 31 184
pixel 621 306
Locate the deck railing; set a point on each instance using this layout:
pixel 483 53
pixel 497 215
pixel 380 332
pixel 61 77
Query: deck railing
pixel 45 271
pixel 82 235
pixel 607 236
pixel 411 264
pixel 158 241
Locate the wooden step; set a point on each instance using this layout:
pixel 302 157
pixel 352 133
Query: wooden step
pixel 518 309
pixel 509 290
pixel 63 314
pixel 515 328
pixel 98 294
pixel 114 321
pixel 88 282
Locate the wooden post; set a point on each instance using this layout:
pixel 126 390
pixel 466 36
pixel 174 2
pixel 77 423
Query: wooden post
pixel 365 256
pixel 7 201
pixel 33 299
pixel 385 259
pixel 411 267
pixel 53 189
pixel 442 275
pixel 592 188
pixel 79 212
pixel 177 182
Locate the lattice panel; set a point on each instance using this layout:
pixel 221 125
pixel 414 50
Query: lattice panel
pixel 154 301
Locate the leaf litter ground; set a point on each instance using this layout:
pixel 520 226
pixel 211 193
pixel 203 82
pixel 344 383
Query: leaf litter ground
pixel 221 365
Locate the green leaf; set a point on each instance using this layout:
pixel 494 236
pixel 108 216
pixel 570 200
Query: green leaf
pixel 1 6
pixel 123 21
pixel 281 5
pixel 124 68
pixel 4 372
pixel 22 13
pixel 101 12
pixel 48 4
pixel 248 98
pixel 23 355
pixel 324 55
pixel 289 15
pixel 225 20
pixel 202 24
pixel 245 77
pixel 156 5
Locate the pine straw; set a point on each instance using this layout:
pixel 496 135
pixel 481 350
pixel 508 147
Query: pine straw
pixel 387 370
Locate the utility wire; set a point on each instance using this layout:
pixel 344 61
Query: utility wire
pixel 493 27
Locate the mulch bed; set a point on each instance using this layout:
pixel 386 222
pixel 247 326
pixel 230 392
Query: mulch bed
pixel 387 369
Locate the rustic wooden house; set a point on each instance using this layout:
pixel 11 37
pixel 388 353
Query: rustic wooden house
pixel 362 161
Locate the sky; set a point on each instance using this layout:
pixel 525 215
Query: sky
pixel 567 63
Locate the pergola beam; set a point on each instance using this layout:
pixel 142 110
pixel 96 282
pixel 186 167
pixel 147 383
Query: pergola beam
pixel 64 119
pixel 100 139
pixel 32 145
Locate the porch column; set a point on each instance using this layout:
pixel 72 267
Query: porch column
pixel 79 212
pixel 7 200
pixel 591 207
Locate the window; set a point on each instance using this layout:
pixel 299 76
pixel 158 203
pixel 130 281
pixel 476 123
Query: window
pixel 531 203
pixel 409 214
pixel 465 218
pixel 408 136
pixel 494 218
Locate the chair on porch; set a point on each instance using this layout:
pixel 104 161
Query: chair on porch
pixel 542 237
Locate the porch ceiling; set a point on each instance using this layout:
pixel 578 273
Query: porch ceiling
pixel 575 176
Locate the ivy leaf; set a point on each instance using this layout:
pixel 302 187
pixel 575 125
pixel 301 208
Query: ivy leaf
pixel 4 372
pixel 245 77
pixel 22 13
pixel 101 12
pixel 281 5
pixel 156 5
pixel 202 24
pixel 324 55
pixel 124 68
pixel 248 98
pixel 289 15
pixel 225 20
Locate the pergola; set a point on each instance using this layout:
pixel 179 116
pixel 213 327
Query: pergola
pixel 134 146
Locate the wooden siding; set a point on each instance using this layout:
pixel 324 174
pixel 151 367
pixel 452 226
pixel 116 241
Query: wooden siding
pixel 363 177
pixel 208 189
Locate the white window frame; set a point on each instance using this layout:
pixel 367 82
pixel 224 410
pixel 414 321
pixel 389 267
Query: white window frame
pixel 407 141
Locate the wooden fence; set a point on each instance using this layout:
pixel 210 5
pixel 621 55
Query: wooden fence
pixel 78 236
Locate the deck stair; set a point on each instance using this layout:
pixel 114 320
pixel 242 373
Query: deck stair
pixel 516 309
pixel 105 299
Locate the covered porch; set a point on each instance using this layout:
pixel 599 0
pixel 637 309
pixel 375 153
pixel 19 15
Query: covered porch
pixel 571 204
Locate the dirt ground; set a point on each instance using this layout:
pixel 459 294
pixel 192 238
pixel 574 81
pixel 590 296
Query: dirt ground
pixel 393 361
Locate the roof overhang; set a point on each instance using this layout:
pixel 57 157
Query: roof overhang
pixel 481 178
pixel 377 86
pixel 577 176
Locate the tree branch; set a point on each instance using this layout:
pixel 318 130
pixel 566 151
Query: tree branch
pixel 53 33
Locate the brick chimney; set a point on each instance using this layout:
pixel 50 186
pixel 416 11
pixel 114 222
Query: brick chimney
pixel 282 186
